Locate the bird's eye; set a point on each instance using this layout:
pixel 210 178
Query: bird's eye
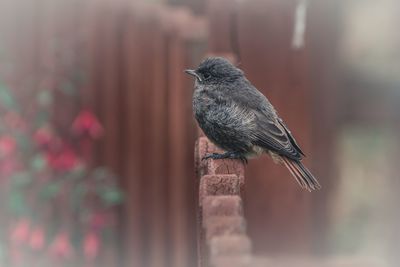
pixel 206 76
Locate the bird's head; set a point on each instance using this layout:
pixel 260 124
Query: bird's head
pixel 215 70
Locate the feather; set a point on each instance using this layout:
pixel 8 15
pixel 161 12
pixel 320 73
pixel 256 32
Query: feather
pixel 302 175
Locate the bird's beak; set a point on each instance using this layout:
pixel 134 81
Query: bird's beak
pixel 193 73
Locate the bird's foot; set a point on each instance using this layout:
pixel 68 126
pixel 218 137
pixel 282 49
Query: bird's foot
pixel 226 155
pixel 214 156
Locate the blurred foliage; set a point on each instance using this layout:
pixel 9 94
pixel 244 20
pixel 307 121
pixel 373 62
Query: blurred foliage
pixel 58 208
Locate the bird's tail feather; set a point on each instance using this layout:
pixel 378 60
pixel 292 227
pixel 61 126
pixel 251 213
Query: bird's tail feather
pixel 302 175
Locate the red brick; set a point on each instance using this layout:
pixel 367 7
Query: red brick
pixel 197 157
pixel 220 166
pixel 214 185
pixel 200 151
pixel 221 206
pixel 224 225
pixel 223 166
pixel 229 245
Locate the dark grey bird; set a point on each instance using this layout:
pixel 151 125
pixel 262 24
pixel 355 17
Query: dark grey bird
pixel 239 119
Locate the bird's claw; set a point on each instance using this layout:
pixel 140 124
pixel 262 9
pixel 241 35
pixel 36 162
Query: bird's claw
pixel 212 156
pixel 227 155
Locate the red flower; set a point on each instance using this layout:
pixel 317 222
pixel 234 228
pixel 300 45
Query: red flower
pixel 91 245
pixel 20 233
pixel 36 240
pixel 7 145
pixel 61 246
pixel 63 160
pixel 86 123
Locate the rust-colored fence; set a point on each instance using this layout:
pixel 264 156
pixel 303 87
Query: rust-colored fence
pixel 132 55
pixel 138 53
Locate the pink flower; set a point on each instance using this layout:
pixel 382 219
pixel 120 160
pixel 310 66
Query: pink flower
pixel 7 145
pixel 61 247
pixel 36 240
pixel 44 136
pixel 64 160
pixel 20 233
pixel 91 245
pixel 86 123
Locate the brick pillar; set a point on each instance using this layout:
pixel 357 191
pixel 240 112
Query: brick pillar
pixel 222 238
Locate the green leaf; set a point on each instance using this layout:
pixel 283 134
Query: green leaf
pixel 50 190
pixel 78 172
pixel 21 179
pixel 6 99
pixel 42 118
pixel 17 203
pixel 44 98
pixel 78 195
pixel 68 88
pixel 102 173
pixel 112 196
pixel 24 142
pixel 38 162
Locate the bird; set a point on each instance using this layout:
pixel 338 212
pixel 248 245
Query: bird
pixel 240 120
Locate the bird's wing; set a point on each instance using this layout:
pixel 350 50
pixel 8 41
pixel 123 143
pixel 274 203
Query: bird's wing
pixel 289 134
pixel 270 132
pixel 273 135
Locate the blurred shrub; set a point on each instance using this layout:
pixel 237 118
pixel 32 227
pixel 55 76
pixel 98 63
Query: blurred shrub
pixel 55 207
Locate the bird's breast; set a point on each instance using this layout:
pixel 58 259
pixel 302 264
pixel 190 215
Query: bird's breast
pixel 202 102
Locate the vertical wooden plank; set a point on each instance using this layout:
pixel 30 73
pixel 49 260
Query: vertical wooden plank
pixel 64 44
pixel 180 155
pixel 132 104
pixel 152 86
pixel 109 90
pixel 220 15
pixel 177 139
pixel 190 191
pixel 92 56
pixel 158 142
pixel 103 94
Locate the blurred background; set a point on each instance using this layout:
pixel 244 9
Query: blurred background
pixel 97 134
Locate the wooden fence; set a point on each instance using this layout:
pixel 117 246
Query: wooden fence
pixel 138 53
pixel 133 55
